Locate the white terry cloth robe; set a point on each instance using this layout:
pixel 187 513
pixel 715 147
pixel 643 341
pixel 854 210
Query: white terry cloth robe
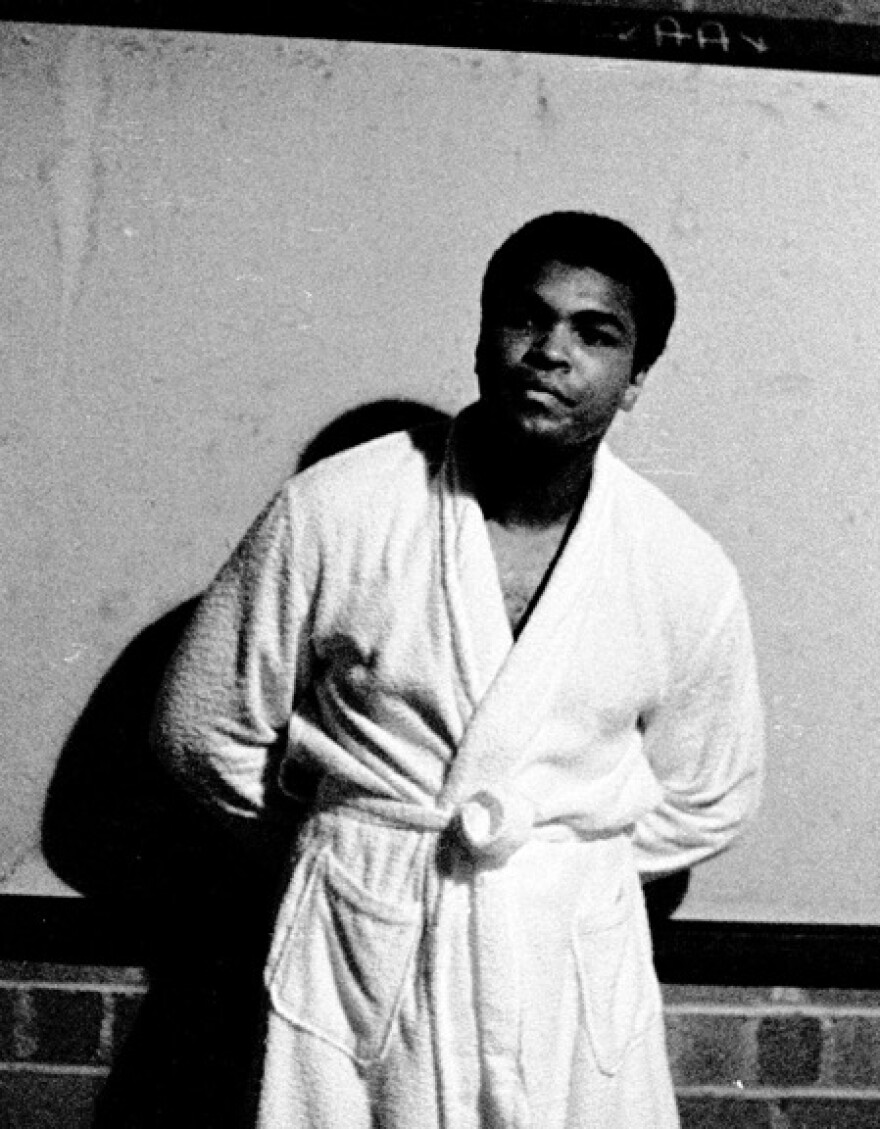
pixel 463 942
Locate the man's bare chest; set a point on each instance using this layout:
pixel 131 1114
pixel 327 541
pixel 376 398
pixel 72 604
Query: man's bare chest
pixel 524 560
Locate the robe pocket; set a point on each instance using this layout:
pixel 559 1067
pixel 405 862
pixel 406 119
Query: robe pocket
pixel 344 963
pixel 617 982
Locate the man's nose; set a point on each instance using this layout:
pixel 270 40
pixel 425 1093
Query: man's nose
pixel 554 344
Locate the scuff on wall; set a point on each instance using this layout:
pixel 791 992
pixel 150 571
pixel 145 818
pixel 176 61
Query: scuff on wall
pixel 77 174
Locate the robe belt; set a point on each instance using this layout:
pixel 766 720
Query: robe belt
pixel 491 825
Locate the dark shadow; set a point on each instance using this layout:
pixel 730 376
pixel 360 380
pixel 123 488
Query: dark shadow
pixel 199 899
pixel 663 897
pixel 372 420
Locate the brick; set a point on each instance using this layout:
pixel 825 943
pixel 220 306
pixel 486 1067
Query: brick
pixel 7 1024
pixel 686 995
pixel 24 1038
pixel 48 1101
pixel 17 971
pixel 789 1051
pixel 862 11
pixel 125 1011
pixel 854 1051
pixel 787 994
pixel 696 994
pixel 726 1113
pixel 66 1026
pixel 707 1050
pixel 842 998
pixel 830 1114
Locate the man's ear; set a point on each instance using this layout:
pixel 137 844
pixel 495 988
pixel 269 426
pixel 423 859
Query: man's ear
pixel 633 390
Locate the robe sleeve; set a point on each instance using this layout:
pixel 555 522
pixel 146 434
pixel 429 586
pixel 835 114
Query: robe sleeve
pixel 222 713
pixel 704 742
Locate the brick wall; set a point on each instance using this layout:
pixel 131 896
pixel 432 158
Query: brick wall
pixel 61 1026
pixel 775 1058
pixel 742 1058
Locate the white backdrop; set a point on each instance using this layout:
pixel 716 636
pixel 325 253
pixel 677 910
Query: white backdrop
pixel 213 245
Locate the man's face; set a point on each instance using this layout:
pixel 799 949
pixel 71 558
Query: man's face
pixel 556 355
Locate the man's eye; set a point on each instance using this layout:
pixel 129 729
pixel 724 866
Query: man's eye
pixel 595 337
pixel 521 318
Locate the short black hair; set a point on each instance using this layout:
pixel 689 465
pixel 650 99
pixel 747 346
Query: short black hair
pixel 585 239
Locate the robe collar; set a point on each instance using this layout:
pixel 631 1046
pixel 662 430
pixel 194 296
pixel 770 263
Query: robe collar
pixel 508 682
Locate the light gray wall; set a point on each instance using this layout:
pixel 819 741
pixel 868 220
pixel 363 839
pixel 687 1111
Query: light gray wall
pixel 213 245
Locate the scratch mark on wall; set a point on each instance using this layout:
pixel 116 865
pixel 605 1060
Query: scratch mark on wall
pixel 825 108
pixel 686 223
pixel 74 177
pixel 545 110
pixel 768 109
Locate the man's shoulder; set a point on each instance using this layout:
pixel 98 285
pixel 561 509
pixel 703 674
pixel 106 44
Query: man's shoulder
pixel 681 554
pixel 373 473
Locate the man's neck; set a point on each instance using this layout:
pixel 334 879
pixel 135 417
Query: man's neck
pixel 525 484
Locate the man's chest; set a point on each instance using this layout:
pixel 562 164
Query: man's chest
pixel 524 561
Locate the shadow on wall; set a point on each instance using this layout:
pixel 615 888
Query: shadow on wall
pixel 369 421
pixel 120 831
pixel 201 898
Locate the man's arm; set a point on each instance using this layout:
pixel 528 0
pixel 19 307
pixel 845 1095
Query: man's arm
pixel 705 745
pixel 222 715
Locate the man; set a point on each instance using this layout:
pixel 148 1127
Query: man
pixel 523 679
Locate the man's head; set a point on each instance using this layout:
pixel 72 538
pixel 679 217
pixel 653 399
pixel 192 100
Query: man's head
pixel 575 309
pixel 584 239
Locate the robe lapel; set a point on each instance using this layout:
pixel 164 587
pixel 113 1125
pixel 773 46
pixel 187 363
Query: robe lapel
pixel 510 685
pixel 481 635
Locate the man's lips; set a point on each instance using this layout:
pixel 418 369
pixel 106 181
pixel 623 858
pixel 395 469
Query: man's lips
pixel 534 387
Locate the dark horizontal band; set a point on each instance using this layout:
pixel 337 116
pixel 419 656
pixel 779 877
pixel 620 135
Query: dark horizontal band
pixel 85 931
pixel 668 35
